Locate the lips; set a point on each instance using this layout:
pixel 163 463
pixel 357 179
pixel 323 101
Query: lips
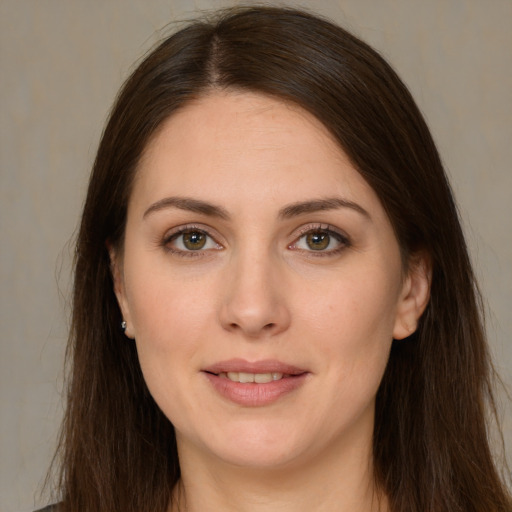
pixel 254 384
pixel 258 378
pixel 265 366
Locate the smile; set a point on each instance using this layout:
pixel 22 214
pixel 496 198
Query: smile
pixel 254 384
pixel 258 378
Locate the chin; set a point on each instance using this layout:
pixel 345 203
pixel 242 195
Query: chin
pixel 259 446
pixel 257 456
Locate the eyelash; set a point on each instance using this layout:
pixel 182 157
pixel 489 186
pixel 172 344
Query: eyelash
pixel 341 238
pixel 181 231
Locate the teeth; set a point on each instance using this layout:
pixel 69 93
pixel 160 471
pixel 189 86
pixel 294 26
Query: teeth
pixel 262 378
pixel 244 377
pixel 259 378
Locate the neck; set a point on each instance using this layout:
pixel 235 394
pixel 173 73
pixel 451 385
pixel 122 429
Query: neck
pixel 322 483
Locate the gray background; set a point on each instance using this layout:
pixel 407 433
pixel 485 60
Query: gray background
pixel 61 63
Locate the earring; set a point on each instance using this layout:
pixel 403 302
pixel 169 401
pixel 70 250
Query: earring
pixel 124 325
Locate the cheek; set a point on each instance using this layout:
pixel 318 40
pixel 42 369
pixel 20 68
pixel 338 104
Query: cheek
pixel 353 324
pixel 169 321
pixel 358 308
pixel 164 304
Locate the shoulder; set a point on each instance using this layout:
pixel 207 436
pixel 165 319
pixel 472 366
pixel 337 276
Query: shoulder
pixel 49 508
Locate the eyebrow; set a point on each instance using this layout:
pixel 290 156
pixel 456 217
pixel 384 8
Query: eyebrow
pixel 188 204
pixel 318 205
pixel 290 211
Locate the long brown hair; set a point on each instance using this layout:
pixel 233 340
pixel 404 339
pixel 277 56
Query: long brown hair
pixel 431 450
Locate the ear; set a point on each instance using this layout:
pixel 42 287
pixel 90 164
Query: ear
pixel 414 296
pixel 116 268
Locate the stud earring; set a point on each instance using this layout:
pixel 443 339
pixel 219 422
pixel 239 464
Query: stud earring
pixel 124 325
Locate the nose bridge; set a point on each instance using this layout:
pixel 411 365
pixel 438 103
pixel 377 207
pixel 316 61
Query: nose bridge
pixel 254 302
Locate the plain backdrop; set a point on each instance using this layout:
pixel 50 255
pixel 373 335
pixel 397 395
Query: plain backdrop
pixel 61 63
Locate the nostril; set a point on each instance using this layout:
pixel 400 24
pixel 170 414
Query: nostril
pixel 254 320
pixel 267 327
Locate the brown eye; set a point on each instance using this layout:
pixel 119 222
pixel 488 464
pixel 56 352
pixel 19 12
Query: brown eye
pixel 194 240
pixel 318 241
pixel 323 241
pixel 190 241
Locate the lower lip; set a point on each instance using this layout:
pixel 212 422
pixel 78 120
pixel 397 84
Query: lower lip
pixel 253 394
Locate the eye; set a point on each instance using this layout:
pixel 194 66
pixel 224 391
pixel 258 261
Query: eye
pixel 194 240
pixel 190 240
pixel 321 240
pixel 317 241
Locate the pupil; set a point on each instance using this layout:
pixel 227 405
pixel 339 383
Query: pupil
pixel 318 241
pixel 194 240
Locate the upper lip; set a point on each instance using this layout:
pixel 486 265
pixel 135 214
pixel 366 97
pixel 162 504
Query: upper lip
pixel 263 366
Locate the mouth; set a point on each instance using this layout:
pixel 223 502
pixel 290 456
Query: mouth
pixel 258 378
pixel 260 372
pixel 254 384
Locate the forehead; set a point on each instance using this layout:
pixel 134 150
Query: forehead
pixel 247 145
pixel 247 121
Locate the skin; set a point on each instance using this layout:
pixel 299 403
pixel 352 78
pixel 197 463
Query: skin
pixel 258 291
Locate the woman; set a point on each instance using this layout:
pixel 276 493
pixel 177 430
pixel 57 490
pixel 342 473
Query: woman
pixel 269 222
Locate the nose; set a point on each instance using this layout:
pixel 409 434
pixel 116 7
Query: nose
pixel 254 298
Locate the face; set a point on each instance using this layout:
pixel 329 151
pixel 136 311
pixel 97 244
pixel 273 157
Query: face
pixel 262 282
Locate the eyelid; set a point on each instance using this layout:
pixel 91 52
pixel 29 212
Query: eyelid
pixel 321 226
pixel 175 232
pixel 340 235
